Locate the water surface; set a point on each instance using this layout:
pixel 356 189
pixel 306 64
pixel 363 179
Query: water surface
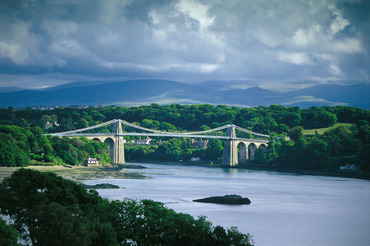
pixel 286 209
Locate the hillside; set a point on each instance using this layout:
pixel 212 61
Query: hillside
pixel 141 92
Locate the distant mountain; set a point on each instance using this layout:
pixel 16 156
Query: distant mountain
pixel 139 92
pixel 9 89
pixel 117 93
pixel 319 95
pixel 353 95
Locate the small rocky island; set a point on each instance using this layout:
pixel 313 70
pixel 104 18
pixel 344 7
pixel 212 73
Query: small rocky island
pixel 101 186
pixel 228 199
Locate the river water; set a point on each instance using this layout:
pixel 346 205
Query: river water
pixel 285 209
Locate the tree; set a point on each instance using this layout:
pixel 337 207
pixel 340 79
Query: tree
pixel 214 150
pixel 8 235
pixel 295 133
pixel 44 207
pixel 49 210
pixel 59 225
pixel 317 153
pixel 43 120
pixel 167 127
pixel 11 155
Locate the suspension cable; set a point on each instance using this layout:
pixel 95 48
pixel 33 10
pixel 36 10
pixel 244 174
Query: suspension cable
pixel 251 132
pixel 160 132
pixel 86 129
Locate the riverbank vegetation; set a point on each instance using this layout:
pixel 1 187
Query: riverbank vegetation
pixel 341 136
pixel 321 152
pixel 21 146
pixel 46 209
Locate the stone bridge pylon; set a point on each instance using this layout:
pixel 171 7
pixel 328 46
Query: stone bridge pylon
pixel 231 156
pixel 115 141
pixel 119 150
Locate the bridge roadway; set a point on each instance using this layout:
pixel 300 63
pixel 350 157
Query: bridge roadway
pixel 91 135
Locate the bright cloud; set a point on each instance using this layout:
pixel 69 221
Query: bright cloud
pixel 295 58
pixel 197 11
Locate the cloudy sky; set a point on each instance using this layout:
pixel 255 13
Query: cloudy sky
pixel 49 42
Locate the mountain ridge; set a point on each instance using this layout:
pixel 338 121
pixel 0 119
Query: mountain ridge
pixel 146 91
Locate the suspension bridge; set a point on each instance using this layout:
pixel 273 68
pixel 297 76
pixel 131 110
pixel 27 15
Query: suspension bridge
pixel 230 157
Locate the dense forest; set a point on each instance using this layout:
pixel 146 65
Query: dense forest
pixel 49 210
pixel 21 146
pixel 22 140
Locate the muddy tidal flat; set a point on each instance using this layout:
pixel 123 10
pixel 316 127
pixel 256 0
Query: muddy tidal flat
pixel 78 173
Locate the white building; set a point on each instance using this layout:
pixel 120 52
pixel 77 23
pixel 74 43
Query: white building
pixel 145 141
pixel 349 167
pixel 91 161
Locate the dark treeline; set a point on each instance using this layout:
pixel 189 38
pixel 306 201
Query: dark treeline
pixel 321 152
pixel 273 119
pixel 48 210
pixel 318 152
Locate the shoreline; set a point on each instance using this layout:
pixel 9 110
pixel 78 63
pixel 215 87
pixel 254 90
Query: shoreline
pixel 80 173
pixel 354 175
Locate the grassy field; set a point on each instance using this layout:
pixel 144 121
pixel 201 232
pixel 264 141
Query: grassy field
pixel 322 130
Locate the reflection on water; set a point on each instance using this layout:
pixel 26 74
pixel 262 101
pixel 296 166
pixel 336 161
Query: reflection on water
pixel 286 209
pixel 231 170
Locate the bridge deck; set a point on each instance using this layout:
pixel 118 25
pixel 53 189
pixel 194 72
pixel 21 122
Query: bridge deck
pixel 158 135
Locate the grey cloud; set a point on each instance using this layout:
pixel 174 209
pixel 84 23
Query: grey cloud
pixel 185 40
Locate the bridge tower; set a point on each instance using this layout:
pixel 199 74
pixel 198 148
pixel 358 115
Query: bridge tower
pixel 230 153
pixel 118 151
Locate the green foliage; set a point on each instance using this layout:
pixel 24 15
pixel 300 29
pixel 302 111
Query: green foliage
pixel 49 210
pixel 14 146
pixel 295 133
pixel 46 208
pixel 342 146
pixel 317 118
pixel 8 235
pixel 18 146
pixel 191 117
pixel 327 151
pixel 214 150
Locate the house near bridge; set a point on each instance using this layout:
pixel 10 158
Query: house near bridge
pixel 145 141
pixel 91 162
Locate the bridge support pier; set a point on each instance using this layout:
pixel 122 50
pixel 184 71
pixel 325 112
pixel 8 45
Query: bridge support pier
pixel 119 151
pixel 230 153
pixel 231 156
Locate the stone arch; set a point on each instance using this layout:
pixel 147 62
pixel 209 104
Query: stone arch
pixel 263 147
pixel 110 143
pixel 97 140
pixel 242 153
pixel 252 148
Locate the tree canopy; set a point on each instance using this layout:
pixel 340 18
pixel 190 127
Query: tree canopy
pixel 22 140
pixel 49 210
